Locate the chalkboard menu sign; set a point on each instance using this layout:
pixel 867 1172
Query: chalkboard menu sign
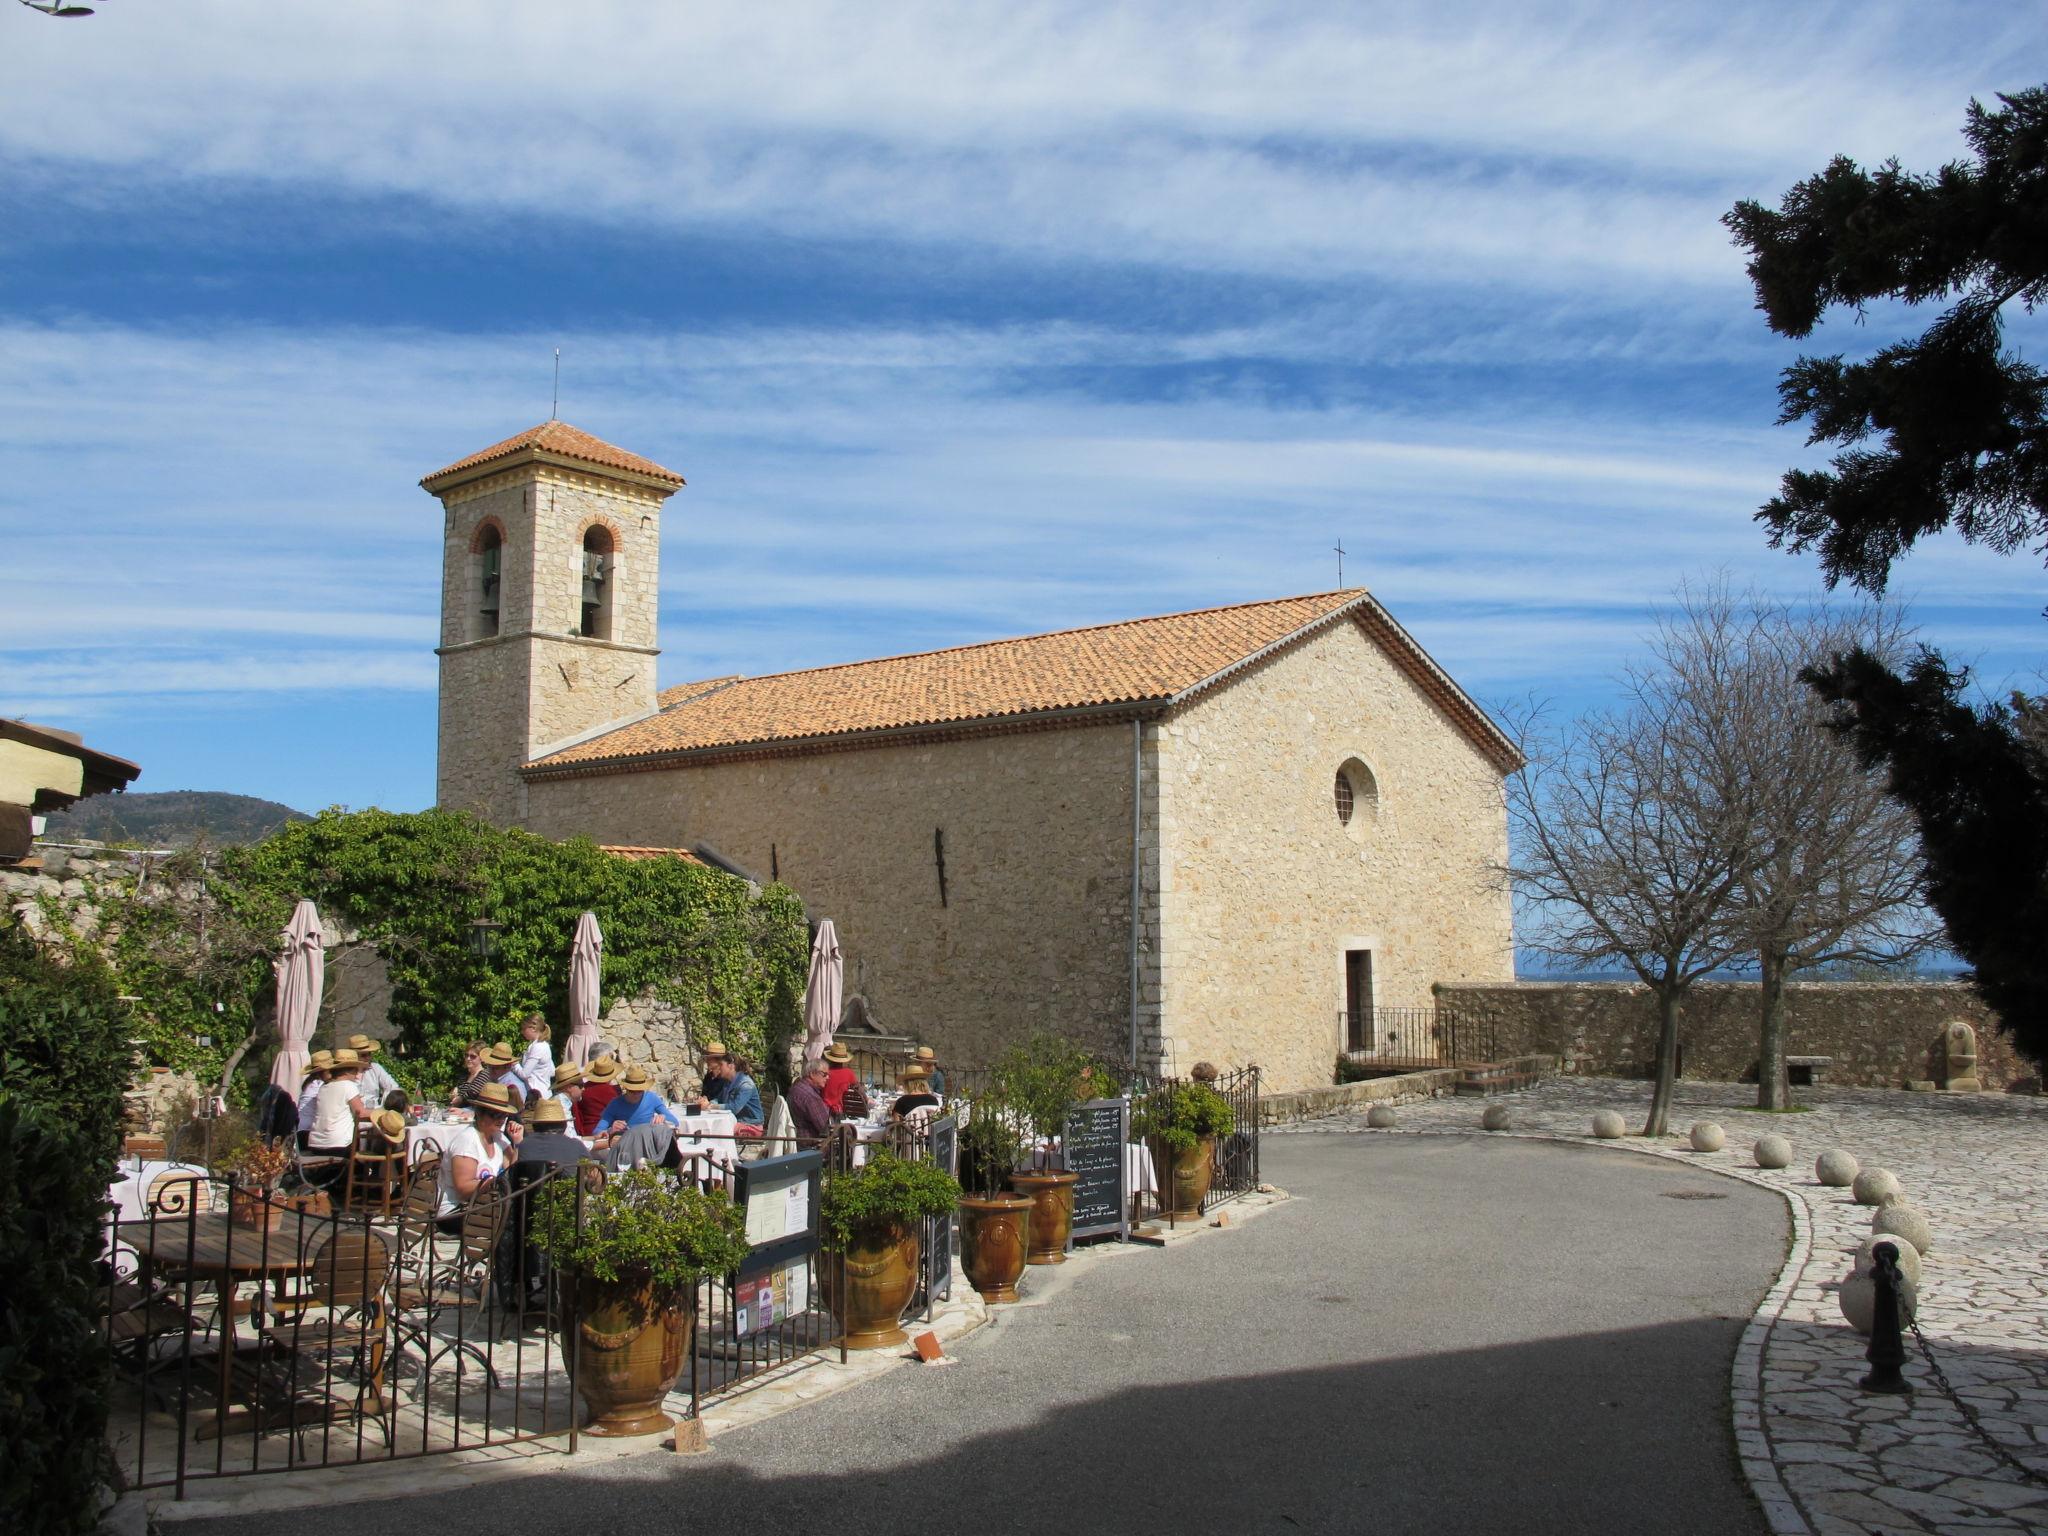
pixel 1094 1149
pixel 938 1235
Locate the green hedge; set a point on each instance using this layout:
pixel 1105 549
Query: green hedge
pixel 64 1061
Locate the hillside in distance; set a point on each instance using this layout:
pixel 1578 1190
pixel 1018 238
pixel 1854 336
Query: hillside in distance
pixel 174 818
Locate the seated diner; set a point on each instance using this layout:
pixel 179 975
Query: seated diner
pixel 477 1153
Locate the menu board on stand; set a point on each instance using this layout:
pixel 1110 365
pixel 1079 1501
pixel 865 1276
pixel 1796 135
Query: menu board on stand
pixel 1094 1149
pixel 780 1198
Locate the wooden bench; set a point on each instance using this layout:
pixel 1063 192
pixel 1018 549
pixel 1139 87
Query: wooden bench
pixel 1805 1071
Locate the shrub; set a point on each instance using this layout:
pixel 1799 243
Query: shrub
pixel 640 1225
pixel 1045 1076
pixel 1181 1114
pixel 992 1140
pixel 887 1191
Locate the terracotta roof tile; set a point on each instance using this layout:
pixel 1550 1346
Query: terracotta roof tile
pixel 559 437
pixel 1140 662
pixel 635 852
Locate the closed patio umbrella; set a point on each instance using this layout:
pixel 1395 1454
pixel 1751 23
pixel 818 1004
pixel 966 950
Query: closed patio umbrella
pixel 586 964
pixel 822 991
pixel 301 968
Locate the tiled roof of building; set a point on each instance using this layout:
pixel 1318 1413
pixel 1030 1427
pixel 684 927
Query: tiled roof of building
pixel 1139 663
pixel 558 437
pixel 633 851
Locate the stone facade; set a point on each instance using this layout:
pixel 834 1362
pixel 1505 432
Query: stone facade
pixel 1878 1033
pixel 1265 889
pixel 537 684
pixel 1033 929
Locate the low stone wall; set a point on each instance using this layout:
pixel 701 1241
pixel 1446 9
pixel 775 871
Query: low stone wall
pixel 1403 1088
pixel 1878 1033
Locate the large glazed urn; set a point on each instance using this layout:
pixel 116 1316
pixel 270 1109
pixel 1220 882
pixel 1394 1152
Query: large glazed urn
pixel 1188 1176
pixel 880 1274
pixel 1052 1213
pixel 632 1342
pixel 995 1235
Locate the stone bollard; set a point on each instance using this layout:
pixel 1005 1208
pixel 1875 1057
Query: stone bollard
pixel 1772 1152
pixel 1902 1220
pixel 1496 1118
pixel 1875 1186
pixel 1708 1137
pixel 1607 1125
pixel 1835 1168
pixel 1381 1117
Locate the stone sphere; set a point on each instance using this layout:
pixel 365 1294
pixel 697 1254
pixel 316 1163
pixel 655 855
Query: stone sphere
pixel 1858 1297
pixel 1835 1169
pixel 1381 1117
pixel 1708 1137
pixel 1496 1118
pixel 1875 1186
pixel 1902 1220
pixel 1772 1152
pixel 1909 1256
pixel 1607 1125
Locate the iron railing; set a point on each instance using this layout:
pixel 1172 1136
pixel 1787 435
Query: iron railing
pixel 1417 1036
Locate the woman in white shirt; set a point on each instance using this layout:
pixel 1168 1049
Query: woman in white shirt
pixel 321 1063
pixel 477 1153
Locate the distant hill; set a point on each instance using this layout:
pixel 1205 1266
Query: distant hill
pixel 171 818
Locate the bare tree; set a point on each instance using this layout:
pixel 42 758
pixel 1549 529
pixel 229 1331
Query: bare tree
pixel 1833 871
pixel 1631 842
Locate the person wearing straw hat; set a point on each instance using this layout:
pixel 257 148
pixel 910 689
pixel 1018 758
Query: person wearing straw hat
pixel 504 1069
pixel 928 1059
pixel 568 1088
pixel 549 1138
pixel 839 1077
pixel 715 1057
pixel 636 1104
pixel 317 1067
pixel 736 1095
pixel 340 1107
pixel 477 1153
pixel 916 1094
pixel 600 1087
pixel 376 1084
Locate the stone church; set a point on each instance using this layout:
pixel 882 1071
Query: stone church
pixel 1227 834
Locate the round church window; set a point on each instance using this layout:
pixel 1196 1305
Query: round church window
pixel 1357 798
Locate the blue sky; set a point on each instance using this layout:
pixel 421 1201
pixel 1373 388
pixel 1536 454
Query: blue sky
pixel 961 322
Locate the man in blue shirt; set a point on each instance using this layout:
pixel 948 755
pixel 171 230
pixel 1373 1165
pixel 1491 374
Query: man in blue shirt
pixel 737 1096
pixel 636 1104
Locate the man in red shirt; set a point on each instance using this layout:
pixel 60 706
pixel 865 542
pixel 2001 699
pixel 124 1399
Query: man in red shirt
pixel 600 1087
pixel 839 1078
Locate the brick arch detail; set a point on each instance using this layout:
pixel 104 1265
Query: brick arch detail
pixel 476 534
pixel 611 532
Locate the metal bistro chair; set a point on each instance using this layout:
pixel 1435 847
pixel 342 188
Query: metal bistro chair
pixel 442 1281
pixel 344 1336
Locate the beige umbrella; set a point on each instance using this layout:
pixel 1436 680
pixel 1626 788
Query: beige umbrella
pixel 822 991
pixel 301 969
pixel 586 965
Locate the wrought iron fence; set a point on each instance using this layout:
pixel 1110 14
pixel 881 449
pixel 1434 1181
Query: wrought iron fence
pixel 1415 1037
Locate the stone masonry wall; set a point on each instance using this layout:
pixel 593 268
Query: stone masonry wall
pixel 1034 929
pixel 1264 890
pixel 506 699
pixel 1877 1032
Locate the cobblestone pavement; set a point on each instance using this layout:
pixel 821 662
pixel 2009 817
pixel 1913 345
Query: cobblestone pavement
pixel 1968 1453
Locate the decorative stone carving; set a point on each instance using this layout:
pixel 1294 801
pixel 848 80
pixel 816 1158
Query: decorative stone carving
pixel 1952 1061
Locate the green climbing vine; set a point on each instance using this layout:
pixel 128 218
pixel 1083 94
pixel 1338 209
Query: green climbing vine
pixel 193 940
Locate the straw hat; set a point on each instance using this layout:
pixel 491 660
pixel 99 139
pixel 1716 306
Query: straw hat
pixel 567 1075
pixel 602 1070
pixel 346 1058
pixel 547 1112
pixel 320 1061
pixel 915 1077
pixel 838 1054
pixel 636 1080
pixel 714 1050
pixel 493 1099
pixel 499 1055
pixel 362 1045
pixel 924 1056
pixel 390 1124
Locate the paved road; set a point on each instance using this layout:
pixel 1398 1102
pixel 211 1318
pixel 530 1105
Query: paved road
pixel 1441 1334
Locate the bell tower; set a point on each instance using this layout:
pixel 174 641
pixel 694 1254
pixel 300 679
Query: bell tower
pixel 550 559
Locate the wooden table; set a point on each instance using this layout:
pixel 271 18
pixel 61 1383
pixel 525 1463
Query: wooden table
pixel 224 1255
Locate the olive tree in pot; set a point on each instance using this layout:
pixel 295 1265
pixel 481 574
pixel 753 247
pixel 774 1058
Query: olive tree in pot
pixel 632 1263
pixel 995 1224
pixel 1181 1121
pixel 1043 1078
pixel 871 1222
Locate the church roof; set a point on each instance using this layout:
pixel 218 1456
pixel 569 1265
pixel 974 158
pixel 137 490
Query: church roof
pixel 1138 666
pixel 557 439
pixel 637 853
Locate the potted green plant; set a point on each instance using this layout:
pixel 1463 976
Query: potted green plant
pixel 871 1219
pixel 1043 1078
pixel 1181 1121
pixel 995 1223
pixel 257 1168
pixel 632 1264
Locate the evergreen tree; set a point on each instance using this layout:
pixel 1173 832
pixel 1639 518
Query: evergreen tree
pixel 1946 431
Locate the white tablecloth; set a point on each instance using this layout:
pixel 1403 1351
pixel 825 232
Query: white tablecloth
pixel 131 1187
pixel 709 1133
pixel 428 1135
